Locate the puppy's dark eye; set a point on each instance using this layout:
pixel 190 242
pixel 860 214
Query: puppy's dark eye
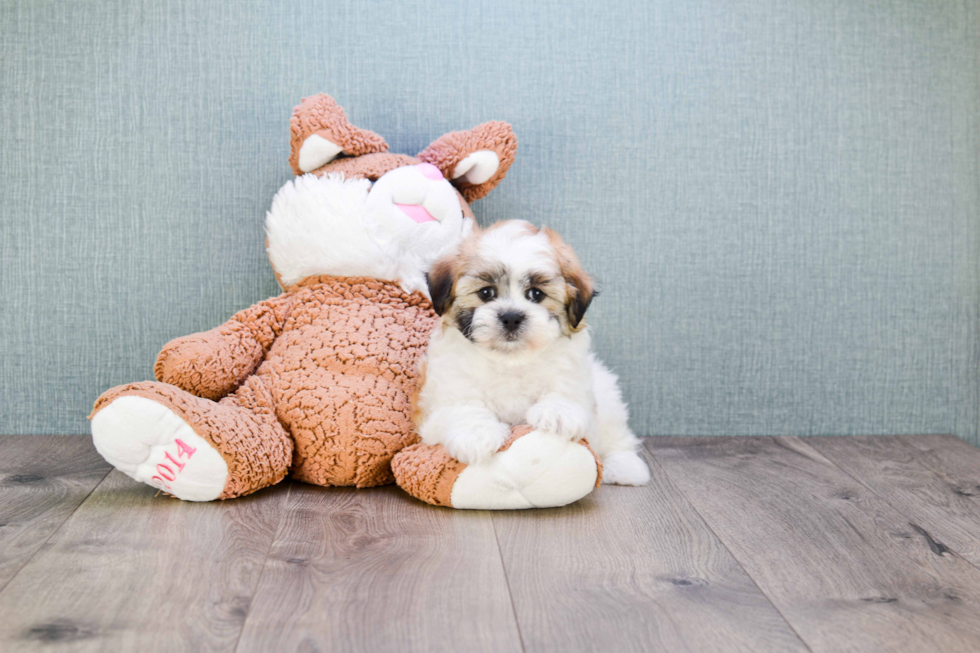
pixel 534 295
pixel 488 293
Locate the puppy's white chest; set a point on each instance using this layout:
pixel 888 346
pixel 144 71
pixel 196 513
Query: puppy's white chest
pixel 460 373
pixel 512 393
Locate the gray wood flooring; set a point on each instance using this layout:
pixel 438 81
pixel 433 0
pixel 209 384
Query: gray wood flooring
pixel 737 544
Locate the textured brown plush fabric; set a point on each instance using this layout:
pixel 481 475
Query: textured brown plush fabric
pixel 329 366
pixel 242 427
pixel 447 151
pixel 214 363
pixel 320 114
pixel 427 472
pixel 366 154
pixel 344 371
pixel 369 166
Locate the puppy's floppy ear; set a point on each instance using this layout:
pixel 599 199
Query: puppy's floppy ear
pixel 579 287
pixel 475 160
pixel 579 303
pixel 441 280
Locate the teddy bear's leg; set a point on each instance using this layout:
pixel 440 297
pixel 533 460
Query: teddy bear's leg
pixel 533 469
pixel 193 448
pixel 346 428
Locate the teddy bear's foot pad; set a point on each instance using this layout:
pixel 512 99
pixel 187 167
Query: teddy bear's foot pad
pixel 150 443
pixel 534 469
pixel 539 470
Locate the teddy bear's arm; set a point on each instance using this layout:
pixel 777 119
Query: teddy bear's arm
pixel 214 363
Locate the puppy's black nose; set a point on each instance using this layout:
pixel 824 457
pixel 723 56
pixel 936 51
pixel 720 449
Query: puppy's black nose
pixel 511 320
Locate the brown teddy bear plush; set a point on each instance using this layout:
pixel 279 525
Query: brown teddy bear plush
pixel 318 382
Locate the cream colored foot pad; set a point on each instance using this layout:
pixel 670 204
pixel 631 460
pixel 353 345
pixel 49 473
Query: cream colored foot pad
pixel 149 443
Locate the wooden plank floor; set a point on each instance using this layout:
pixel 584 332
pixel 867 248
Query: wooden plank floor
pixel 737 544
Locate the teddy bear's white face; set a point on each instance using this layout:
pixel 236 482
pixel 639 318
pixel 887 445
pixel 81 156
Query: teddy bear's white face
pixel 392 229
pixel 414 215
pixel 420 193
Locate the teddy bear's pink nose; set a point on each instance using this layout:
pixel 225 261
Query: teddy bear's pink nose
pixel 429 170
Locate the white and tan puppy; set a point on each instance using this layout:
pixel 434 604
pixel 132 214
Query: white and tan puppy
pixel 513 348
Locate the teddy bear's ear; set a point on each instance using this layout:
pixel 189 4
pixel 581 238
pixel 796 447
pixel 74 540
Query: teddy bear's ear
pixel 320 132
pixel 474 160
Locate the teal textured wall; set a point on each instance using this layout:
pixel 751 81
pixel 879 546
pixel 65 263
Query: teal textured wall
pixel 779 198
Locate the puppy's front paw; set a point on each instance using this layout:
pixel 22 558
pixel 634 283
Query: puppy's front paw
pixel 475 444
pixel 560 416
